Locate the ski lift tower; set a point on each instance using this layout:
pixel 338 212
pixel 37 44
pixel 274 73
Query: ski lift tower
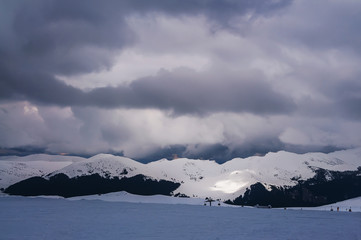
pixel 210 200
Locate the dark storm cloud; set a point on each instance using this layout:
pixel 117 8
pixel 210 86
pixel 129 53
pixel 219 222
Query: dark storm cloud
pixel 295 71
pixel 343 96
pixel 222 153
pixel 218 10
pixel 37 87
pixel 347 97
pixel 59 37
pixel 40 39
pixel 53 36
pixel 184 92
pixel 21 151
pixel 331 25
pixel 351 107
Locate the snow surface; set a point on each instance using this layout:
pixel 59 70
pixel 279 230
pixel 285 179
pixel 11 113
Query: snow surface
pixel 200 178
pixel 354 204
pixel 128 197
pixel 44 218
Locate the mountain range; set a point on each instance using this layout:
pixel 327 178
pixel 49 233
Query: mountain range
pixel 277 179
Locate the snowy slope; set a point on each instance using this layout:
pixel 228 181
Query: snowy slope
pixel 128 197
pixel 207 178
pixel 14 169
pixel 106 165
pixel 354 203
pixel 204 178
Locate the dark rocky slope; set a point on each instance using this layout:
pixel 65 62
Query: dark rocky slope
pixel 324 188
pixel 64 186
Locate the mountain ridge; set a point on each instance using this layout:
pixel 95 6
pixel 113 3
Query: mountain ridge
pixel 206 178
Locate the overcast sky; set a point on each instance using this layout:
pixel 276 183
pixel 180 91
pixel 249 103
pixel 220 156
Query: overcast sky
pixel 200 78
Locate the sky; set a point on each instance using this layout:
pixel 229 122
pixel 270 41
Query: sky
pixel 210 79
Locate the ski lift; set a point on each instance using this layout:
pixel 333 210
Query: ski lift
pixel 209 200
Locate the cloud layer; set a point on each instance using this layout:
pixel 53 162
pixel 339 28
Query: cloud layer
pixel 211 79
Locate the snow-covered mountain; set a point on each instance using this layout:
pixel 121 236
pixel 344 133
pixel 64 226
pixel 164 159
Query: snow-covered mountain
pixel 196 178
pixel 14 169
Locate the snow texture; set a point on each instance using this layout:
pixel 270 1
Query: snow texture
pixel 44 218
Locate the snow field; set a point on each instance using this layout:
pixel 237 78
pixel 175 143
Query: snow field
pixel 44 218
